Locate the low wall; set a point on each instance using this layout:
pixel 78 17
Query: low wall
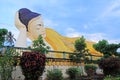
pixel 17 73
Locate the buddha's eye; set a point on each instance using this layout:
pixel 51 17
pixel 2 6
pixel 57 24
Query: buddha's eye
pixel 39 24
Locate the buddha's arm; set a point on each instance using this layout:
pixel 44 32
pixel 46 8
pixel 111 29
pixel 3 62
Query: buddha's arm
pixel 21 41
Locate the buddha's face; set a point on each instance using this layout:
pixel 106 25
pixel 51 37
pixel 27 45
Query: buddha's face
pixel 36 27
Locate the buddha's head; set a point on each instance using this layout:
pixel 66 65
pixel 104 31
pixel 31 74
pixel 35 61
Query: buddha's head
pixel 31 21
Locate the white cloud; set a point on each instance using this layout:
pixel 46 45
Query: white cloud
pixel 49 23
pixel 95 37
pixel 71 32
pixel 74 34
pixel 114 41
pixel 70 29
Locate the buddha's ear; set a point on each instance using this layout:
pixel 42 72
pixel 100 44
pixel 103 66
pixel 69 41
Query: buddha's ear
pixel 18 23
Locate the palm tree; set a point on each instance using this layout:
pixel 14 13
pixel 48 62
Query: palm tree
pixel 9 38
pixel 3 32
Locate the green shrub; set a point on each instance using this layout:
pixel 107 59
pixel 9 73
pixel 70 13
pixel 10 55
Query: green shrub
pixel 73 72
pixel 90 66
pixel 108 77
pixel 54 74
pixel 90 69
pixel 7 61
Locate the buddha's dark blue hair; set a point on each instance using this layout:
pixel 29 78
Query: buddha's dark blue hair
pixel 25 15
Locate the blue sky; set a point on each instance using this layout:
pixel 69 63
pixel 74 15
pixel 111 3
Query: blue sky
pixel 94 19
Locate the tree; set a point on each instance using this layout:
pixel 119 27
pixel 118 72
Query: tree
pixel 107 49
pixel 108 63
pixel 39 45
pixel 10 39
pixel 80 44
pixel 3 32
pixel 80 48
pixel 100 46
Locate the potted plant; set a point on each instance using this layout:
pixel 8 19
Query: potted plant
pixel 90 69
pixel 33 63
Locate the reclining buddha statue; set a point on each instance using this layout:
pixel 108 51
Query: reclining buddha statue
pixel 30 25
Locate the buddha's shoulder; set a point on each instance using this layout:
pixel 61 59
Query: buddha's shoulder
pixel 51 32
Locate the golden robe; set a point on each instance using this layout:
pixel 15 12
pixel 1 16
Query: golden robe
pixel 61 43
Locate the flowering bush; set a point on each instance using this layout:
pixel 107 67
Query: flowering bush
pixel 32 64
pixel 110 66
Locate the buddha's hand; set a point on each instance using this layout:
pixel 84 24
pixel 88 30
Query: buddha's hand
pixel 18 23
